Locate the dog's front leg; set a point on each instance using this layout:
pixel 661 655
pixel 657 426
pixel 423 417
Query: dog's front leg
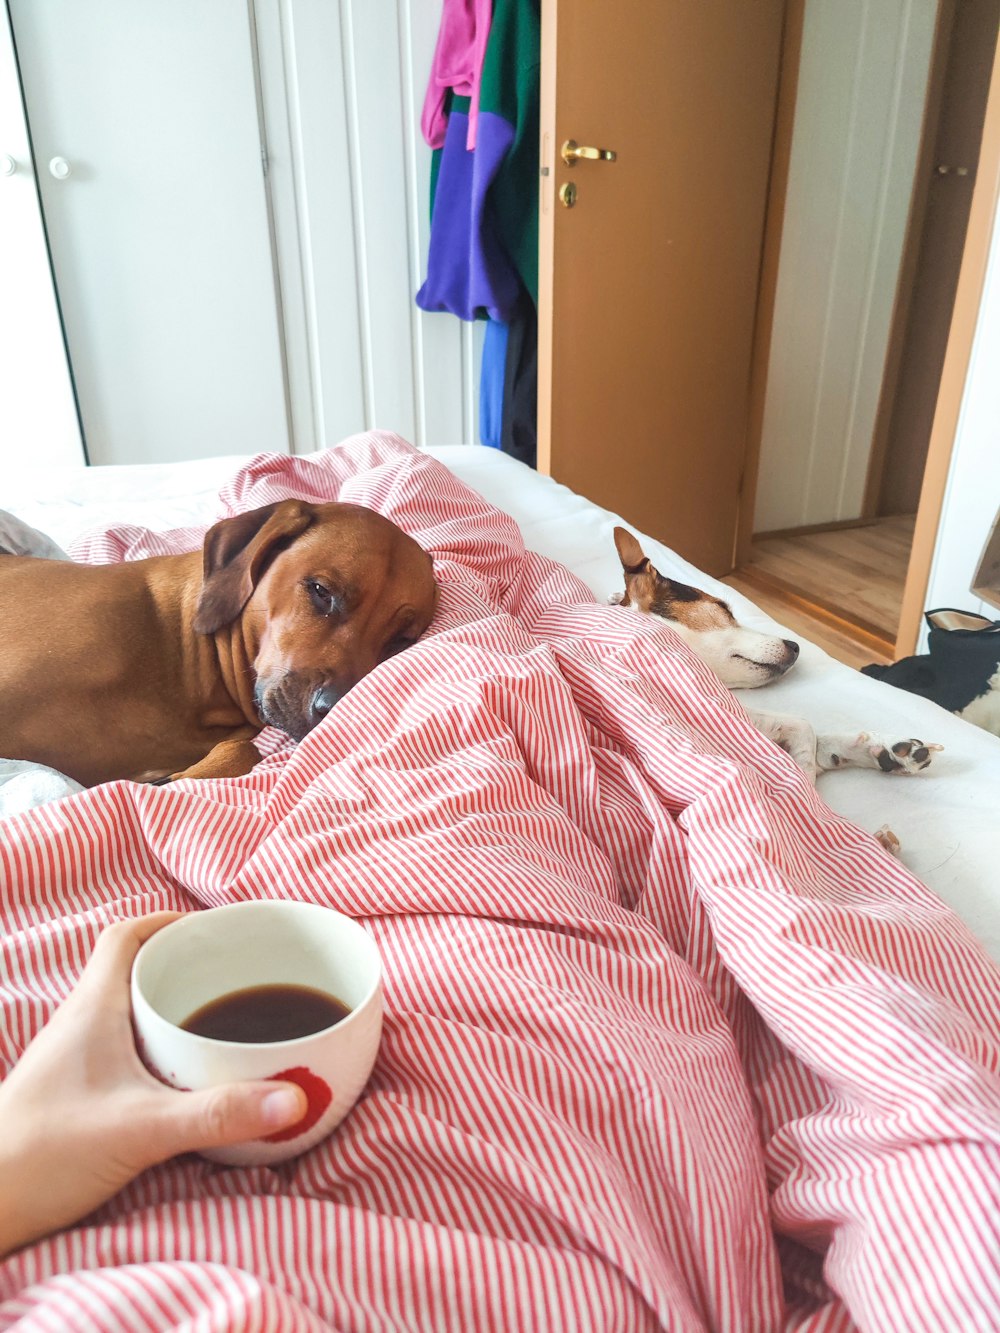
pixel 228 759
pixel 861 750
pixel 794 735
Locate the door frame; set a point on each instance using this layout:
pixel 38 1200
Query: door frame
pixel 911 253
pixel 983 216
pixel 968 298
pixel 777 194
pixel 546 236
pixel 784 130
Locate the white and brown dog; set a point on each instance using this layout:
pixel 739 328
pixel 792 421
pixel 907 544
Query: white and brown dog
pixel 745 659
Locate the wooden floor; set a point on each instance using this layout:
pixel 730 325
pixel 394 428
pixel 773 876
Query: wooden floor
pixel 841 589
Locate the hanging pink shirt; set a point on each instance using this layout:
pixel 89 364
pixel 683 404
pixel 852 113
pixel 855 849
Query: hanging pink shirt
pixel 458 64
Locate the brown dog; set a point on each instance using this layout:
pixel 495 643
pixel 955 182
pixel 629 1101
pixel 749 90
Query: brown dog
pixel 167 667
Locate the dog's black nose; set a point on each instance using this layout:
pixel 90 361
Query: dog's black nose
pixel 322 701
pixel 793 648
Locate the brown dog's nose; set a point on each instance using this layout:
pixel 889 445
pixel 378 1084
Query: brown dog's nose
pixel 322 701
pixel 793 648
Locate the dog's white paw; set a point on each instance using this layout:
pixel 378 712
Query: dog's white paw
pixel 616 599
pixel 909 756
pixel 867 751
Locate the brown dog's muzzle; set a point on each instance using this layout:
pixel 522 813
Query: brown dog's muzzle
pixel 295 702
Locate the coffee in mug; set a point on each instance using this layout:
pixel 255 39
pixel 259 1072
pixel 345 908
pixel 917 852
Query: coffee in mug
pixel 266 1013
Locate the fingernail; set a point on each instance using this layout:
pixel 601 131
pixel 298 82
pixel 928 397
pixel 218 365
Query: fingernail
pixel 280 1108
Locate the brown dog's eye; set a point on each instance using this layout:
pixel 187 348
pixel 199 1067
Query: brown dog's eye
pixel 327 603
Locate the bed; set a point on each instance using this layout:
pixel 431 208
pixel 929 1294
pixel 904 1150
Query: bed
pixel 670 1042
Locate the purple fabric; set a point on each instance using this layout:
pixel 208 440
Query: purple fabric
pixel 457 64
pixel 468 270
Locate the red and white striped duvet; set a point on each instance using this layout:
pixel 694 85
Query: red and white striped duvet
pixel 668 1044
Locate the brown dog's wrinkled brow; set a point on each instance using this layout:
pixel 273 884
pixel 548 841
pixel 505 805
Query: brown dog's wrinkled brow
pixel 235 553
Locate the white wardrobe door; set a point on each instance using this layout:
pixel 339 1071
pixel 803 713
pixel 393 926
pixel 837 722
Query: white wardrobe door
pixel 144 124
pixel 38 420
pixel 862 85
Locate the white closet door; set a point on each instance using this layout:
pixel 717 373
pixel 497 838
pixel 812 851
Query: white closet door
pixel 38 420
pixel 145 130
pixel 859 108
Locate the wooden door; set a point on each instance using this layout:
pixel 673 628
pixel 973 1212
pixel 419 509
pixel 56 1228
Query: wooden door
pixel 145 130
pixel 950 175
pixel 648 284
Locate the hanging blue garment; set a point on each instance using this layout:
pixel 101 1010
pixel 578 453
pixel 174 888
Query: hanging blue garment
pixel 491 383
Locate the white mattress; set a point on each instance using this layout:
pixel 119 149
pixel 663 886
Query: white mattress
pixel 947 819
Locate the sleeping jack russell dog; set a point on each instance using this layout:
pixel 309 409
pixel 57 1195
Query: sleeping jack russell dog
pixel 744 659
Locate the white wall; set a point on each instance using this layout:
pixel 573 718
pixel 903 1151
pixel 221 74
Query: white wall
pixel 972 495
pixel 37 409
pixel 858 113
pixel 342 87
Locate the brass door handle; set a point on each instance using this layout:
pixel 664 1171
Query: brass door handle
pixel 572 152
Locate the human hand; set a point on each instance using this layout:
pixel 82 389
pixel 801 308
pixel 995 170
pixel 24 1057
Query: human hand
pixel 82 1116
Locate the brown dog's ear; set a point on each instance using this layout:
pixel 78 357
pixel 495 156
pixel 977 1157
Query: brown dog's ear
pixel 234 556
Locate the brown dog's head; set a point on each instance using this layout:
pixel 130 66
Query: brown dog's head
pixel 741 658
pixel 324 592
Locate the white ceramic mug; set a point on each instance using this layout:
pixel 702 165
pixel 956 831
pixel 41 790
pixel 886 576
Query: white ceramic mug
pixel 206 955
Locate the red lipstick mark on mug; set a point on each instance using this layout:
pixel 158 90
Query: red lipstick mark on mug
pixel 319 1095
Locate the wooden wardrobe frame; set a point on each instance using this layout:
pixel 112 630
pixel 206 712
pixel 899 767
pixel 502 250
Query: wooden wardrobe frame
pixel 968 298
pixel 964 321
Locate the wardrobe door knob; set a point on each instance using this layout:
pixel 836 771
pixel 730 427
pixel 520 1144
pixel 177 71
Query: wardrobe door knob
pixel 7 165
pixel 59 168
pixel 572 152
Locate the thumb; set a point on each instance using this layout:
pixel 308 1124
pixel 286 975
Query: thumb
pixel 231 1113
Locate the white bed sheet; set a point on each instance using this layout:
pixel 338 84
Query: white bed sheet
pixel 947 819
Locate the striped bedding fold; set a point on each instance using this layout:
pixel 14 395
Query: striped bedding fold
pixel 668 1044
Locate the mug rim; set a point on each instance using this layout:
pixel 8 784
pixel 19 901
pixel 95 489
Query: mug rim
pixel 138 994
